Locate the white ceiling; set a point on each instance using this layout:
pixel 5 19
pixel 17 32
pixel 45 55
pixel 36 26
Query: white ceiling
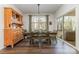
pixel 32 8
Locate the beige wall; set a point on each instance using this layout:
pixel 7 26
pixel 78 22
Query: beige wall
pixel 64 9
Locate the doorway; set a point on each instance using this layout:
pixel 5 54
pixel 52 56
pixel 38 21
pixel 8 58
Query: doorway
pixel 69 27
pixel 66 27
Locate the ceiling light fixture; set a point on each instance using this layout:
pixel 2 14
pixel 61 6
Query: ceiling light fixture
pixel 38 8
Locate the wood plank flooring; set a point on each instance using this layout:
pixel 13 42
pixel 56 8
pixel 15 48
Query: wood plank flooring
pixel 23 47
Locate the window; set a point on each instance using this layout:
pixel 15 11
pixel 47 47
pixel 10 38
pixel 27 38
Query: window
pixel 60 23
pixel 69 23
pixel 38 23
pixel 60 27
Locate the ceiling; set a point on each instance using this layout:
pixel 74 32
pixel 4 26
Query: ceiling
pixel 32 8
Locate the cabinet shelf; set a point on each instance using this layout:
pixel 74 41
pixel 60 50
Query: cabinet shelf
pixel 17 23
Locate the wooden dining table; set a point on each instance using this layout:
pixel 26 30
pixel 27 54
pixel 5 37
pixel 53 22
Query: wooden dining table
pixel 41 36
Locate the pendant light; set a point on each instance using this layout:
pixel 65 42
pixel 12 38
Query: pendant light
pixel 38 8
pixel 39 17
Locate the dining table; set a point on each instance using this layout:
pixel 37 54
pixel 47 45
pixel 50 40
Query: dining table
pixel 41 36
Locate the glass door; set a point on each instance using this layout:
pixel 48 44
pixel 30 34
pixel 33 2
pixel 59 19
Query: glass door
pixel 69 29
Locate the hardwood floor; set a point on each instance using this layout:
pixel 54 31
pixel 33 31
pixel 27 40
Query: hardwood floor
pixel 23 47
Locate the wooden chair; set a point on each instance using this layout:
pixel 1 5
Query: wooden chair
pixel 53 38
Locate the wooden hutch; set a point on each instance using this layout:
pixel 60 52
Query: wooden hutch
pixel 13 31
